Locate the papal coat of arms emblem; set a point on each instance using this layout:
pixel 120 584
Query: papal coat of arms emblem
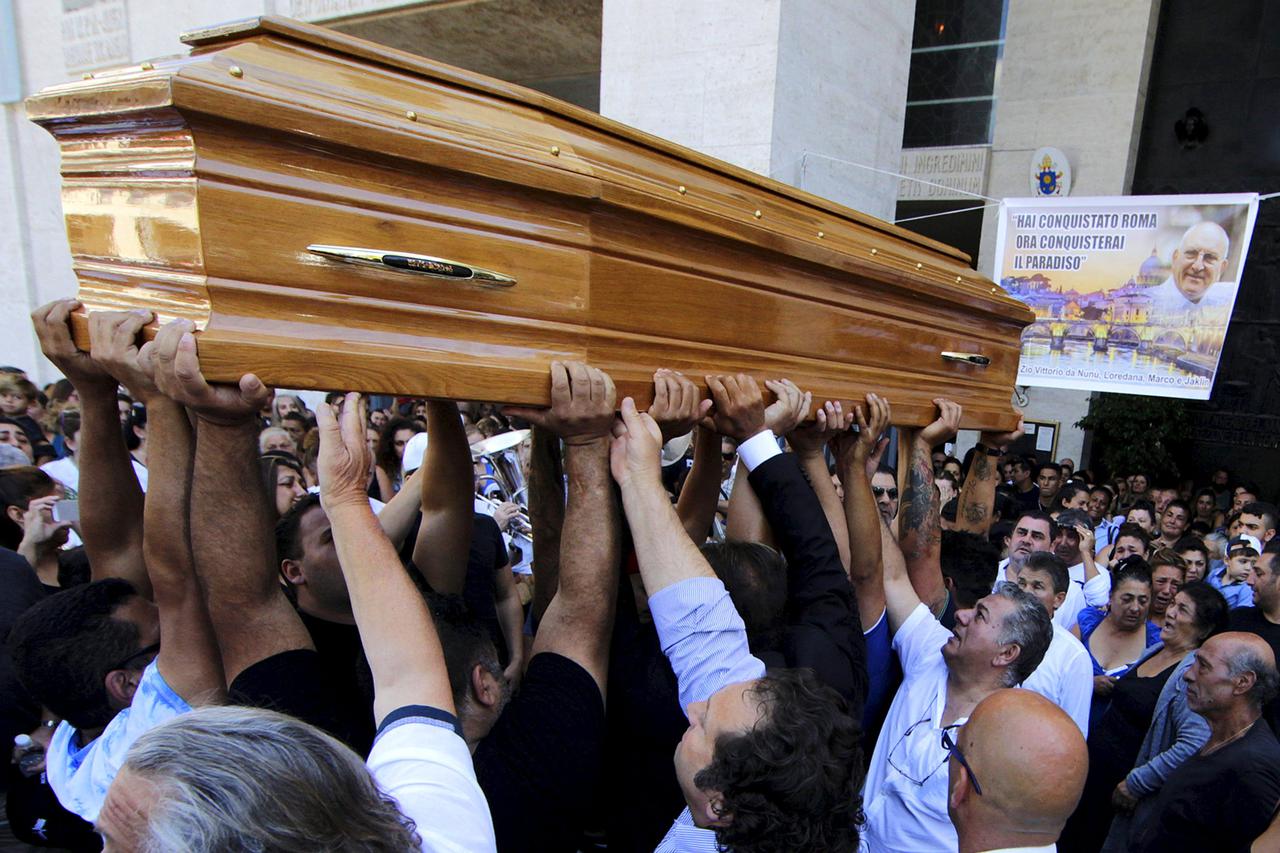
pixel 1048 178
pixel 1050 173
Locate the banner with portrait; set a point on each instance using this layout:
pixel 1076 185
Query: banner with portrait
pixel 1131 294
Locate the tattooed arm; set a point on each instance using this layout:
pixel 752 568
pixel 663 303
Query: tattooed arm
pixel 921 512
pixel 975 509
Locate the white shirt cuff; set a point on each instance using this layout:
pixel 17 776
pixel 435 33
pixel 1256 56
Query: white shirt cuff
pixel 758 449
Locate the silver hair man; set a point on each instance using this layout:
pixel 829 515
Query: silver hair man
pixel 233 778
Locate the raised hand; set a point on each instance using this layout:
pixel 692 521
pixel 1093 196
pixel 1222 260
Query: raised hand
pixel 945 427
pixel 343 461
pixel 1086 541
pixel 677 405
pixel 1002 440
pixel 829 423
pixel 791 407
pixel 583 401
pixel 113 344
pixel 739 407
pixel 635 456
pixel 38 526
pixel 51 327
pixel 868 444
pixel 175 368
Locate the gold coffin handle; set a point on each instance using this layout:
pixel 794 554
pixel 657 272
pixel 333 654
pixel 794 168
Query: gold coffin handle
pixel 412 262
pixel 967 358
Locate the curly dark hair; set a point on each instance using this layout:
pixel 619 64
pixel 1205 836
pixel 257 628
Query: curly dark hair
pixel 793 782
pixel 64 647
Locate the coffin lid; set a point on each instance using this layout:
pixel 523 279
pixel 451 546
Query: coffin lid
pixel 221 35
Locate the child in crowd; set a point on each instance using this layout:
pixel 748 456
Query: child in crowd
pixel 1242 553
pixel 17 395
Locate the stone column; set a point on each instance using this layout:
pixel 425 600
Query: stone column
pixel 1073 76
pixel 795 90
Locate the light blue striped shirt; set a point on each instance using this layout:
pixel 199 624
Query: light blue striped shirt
pixel 704 638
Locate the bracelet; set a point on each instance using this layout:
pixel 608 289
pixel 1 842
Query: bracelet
pixel 990 451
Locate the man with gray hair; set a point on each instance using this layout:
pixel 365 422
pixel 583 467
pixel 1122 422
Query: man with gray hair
pixel 995 645
pixel 1223 797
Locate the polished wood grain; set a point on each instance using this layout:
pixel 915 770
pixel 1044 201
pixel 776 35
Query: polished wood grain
pixel 194 191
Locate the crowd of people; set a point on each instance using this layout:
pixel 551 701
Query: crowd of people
pixel 737 623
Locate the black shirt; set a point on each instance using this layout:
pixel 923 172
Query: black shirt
pixel 1221 801
pixel 1028 501
pixel 1253 621
pixel 540 765
pixel 343 662
pixel 1114 743
pixel 19 589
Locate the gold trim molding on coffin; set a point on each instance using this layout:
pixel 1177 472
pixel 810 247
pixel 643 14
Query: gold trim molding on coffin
pixel 199 194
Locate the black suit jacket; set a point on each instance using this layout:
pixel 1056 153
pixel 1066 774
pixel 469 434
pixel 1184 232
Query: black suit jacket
pixel 823 630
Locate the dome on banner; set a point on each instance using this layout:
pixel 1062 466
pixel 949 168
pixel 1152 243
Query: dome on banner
pixel 1152 271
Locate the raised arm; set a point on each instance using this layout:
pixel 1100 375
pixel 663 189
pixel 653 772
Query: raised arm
pixel 975 506
pixel 677 408
pixel 231 536
pixel 808 441
pixel 506 600
pixel 579 620
pixel 820 601
pixel 664 551
pixel 189 658
pixel 747 521
pixel 398 514
pixel 110 497
pixel 921 513
pixel 859 456
pixel 697 503
pixel 399 638
pixel 1087 544
pixel 900 597
pixel 700 631
pixel 546 517
pixel 444 538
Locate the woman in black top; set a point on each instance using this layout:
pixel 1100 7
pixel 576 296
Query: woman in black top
pixel 1115 741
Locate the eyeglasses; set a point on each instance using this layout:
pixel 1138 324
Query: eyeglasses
pixel 950 746
pixel 899 757
pixel 150 653
pixel 880 491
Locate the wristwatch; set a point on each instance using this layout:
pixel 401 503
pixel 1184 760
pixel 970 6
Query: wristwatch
pixel 990 451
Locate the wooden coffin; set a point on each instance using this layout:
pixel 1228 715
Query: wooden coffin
pixel 202 186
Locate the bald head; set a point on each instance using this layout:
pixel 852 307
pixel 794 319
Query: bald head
pixel 1231 670
pixel 1030 760
pixel 1200 259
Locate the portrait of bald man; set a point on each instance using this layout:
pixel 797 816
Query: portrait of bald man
pixel 1016 772
pixel 1196 283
